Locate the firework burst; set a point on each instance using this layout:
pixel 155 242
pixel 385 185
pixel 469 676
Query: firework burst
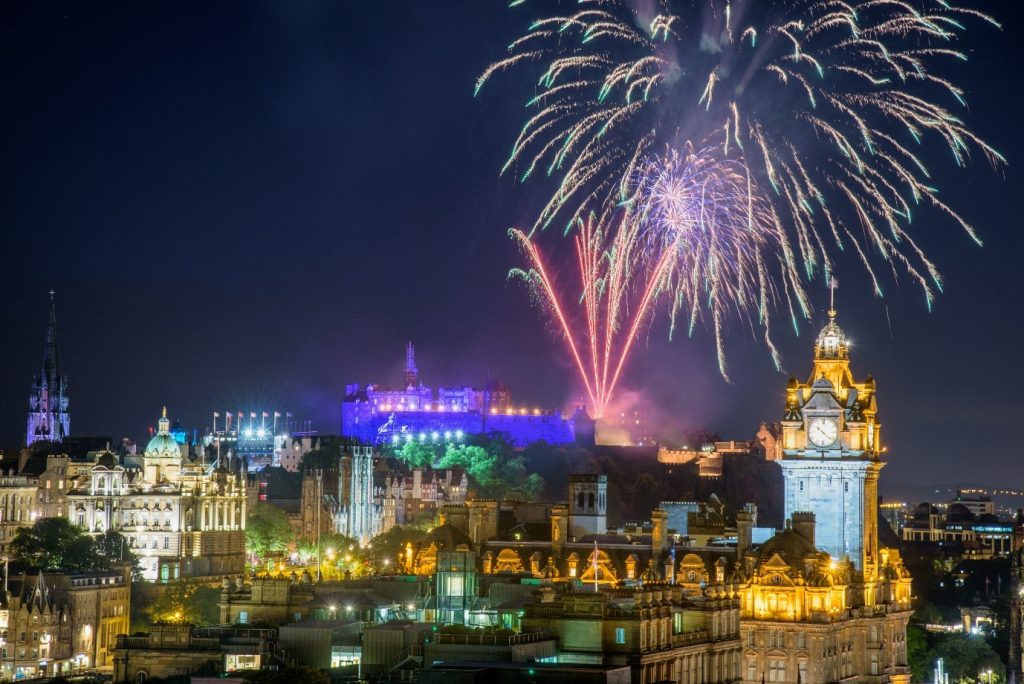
pixel 825 105
pixel 694 230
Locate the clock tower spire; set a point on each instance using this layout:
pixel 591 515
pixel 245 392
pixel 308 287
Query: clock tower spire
pixel 831 453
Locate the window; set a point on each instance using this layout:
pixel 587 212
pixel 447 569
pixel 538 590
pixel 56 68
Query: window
pixel 751 670
pixel 750 638
pixel 801 640
pixel 243 617
pixel 801 667
pixel 846 487
pixel 620 635
pixel 874 663
pixel 167 542
pixel 776 670
pixel 801 485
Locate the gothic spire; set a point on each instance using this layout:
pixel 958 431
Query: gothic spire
pixel 51 359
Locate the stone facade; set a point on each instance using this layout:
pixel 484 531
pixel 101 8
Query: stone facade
pixel 57 624
pixel 663 633
pixel 183 517
pixel 821 600
pixel 19 505
pixel 376 415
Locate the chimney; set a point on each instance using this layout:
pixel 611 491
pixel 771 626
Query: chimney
pixel 744 532
pixel 659 532
pixel 803 524
pixel 559 527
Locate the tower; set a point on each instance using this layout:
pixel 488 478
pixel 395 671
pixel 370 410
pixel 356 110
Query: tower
pixel 48 417
pixel 361 516
pixel 588 504
pixel 831 454
pixel 411 372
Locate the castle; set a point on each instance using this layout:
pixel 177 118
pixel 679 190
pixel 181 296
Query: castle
pixel 377 415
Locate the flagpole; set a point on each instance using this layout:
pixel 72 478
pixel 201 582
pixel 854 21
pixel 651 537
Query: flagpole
pixel 595 567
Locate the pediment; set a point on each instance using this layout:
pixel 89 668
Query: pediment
pixel 775 563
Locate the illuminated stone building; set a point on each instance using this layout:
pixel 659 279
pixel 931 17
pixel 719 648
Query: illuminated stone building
pixel 55 623
pixel 182 515
pixel 821 601
pixel 48 416
pixel 663 633
pixel 377 415
pixel 19 505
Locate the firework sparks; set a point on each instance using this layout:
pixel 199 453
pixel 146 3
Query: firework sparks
pixel 824 106
pixel 693 230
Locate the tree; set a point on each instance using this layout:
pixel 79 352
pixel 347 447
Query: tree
pixel 185 601
pixel 267 530
pixel 56 544
pixel 417 455
pixel 390 546
pixel 967 655
pixel 112 547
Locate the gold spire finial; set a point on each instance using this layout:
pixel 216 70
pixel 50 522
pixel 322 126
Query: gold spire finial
pixel 165 412
pixel 832 285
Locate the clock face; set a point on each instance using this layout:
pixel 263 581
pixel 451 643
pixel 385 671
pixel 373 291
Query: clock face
pixel 823 431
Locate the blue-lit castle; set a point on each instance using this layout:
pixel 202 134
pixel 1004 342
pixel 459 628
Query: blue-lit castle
pixel 377 415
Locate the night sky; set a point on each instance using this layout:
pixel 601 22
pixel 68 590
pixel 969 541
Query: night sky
pixel 245 206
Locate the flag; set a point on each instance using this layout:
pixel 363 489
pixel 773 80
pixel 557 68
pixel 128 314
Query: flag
pixel 252 414
pixel 216 415
pixel 289 415
pixel 265 414
pixel 276 414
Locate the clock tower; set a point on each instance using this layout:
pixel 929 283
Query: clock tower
pixel 831 449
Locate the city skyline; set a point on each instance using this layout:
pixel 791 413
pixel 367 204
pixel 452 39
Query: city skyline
pixel 240 266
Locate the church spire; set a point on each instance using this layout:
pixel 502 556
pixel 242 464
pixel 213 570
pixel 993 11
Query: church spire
pixel 48 403
pixel 51 359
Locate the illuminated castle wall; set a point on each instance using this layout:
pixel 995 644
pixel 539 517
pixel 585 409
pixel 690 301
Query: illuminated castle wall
pixel 375 415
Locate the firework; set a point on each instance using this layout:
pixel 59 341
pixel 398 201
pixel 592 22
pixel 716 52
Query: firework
pixel 826 105
pixel 695 230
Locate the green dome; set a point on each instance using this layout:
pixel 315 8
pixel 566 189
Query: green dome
pixel 163 444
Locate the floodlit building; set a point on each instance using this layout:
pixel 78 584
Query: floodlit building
pixel 183 515
pixel 376 415
pixel 55 623
pixel 822 601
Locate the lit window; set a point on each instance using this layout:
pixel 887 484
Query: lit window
pixel 620 635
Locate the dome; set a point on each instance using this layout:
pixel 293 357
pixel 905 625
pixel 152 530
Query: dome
pixel 163 444
pixel 791 546
pixel 923 510
pixel 448 537
pixel 831 342
pixel 959 513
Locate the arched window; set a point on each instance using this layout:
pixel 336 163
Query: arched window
pixel 579 501
pixel 590 500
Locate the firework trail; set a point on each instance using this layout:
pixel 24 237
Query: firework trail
pixel 826 105
pixel 696 232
